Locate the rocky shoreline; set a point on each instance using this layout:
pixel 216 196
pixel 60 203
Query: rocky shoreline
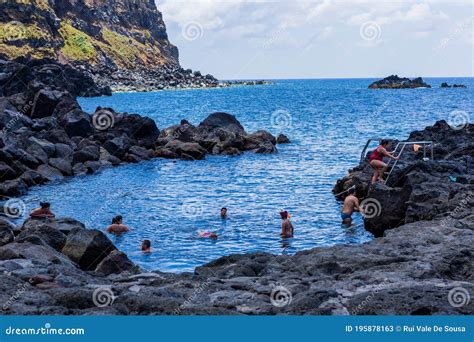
pixel 166 77
pixel 421 266
pixel 46 136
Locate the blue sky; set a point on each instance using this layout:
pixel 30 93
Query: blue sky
pixel 237 39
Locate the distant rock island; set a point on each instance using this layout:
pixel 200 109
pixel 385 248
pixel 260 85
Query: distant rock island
pixel 446 85
pixel 395 82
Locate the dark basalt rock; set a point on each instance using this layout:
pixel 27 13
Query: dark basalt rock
pixel 87 248
pixel 395 82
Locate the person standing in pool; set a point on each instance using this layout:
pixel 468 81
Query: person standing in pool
pixel 117 227
pixel 44 211
pixel 146 246
pixel 286 226
pixel 223 213
pixel 351 203
pixel 377 163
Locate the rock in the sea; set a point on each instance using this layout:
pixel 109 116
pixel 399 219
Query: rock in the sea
pixel 282 139
pixel 395 82
pixel 87 247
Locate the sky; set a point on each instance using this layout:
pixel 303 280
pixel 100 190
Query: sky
pixel 240 39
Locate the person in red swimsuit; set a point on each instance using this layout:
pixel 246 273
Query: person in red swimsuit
pixel 376 160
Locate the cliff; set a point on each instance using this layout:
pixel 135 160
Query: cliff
pixel 119 43
pixel 122 33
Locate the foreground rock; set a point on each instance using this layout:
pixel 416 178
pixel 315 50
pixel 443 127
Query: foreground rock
pixel 414 270
pixel 45 135
pixel 395 82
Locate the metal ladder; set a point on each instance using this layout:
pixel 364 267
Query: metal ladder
pixel 401 145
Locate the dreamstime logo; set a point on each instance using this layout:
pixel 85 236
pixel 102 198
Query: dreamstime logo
pixel 364 124
pixel 280 296
pixel 192 31
pixel 103 296
pixel 192 209
pixel 281 119
pixel 372 207
pixel 370 31
pixel 14 208
pixel 458 297
pixel 103 119
pixel 458 119
pixel 14 30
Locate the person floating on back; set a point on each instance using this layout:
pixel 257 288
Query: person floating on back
pixel 223 213
pixel 351 203
pixel 146 246
pixel 286 226
pixel 117 227
pixel 376 160
pixel 44 211
pixel 204 234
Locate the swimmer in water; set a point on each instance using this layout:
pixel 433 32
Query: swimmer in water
pixel 223 213
pixel 44 211
pixel 286 226
pixel 146 246
pixel 210 235
pixel 117 227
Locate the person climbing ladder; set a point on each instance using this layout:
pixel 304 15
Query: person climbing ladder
pixel 377 163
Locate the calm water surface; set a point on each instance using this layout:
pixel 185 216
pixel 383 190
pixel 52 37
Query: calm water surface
pixel 169 201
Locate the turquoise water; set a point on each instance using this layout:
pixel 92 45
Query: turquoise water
pixel 168 201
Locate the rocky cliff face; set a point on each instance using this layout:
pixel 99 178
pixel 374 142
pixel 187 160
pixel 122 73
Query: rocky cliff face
pixel 127 34
pixel 121 44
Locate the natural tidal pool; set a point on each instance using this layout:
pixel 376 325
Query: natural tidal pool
pixel 168 202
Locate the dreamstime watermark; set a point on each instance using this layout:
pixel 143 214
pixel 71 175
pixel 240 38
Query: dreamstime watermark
pixel 281 296
pixel 365 124
pixel 103 119
pixel 363 304
pixel 197 291
pixel 192 208
pixel 46 330
pixel 455 34
pixel 370 31
pixel 458 297
pixel 14 30
pixel 460 207
pixel 281 119
pixel 21 289
pixel 192 30
pixel 372 207
pixel 103 296
pixel 14 208
pixel 458 119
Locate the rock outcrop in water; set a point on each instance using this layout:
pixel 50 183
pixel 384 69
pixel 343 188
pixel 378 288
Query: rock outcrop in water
pixel 419 268
pixel 421 190
pixel 395 82
pixel 45 135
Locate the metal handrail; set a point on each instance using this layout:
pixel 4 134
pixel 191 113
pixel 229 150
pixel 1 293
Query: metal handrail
pixel 404 144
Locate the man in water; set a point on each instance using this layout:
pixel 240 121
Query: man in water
pixel 117 227
pixel 286 226
pixel 351 203
pixel 44 211
pixel 146 246
pixel 223 213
